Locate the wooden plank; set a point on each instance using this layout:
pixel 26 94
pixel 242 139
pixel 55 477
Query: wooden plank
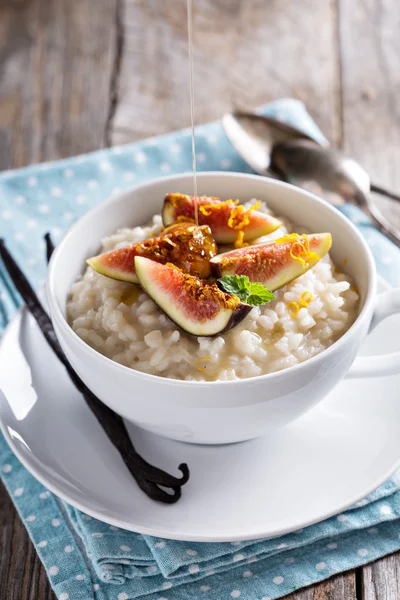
pixel 57 62
pixel 370 50
pixel 341 587
pixel 22 576
pixel 246 53
pixel 381 580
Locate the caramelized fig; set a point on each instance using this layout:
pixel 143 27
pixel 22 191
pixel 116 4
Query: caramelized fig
pixel 200 308
pixel 183 244
pixel 228 220
pixel 275 263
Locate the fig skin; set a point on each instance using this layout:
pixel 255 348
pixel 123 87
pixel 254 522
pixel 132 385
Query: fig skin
pixel 276 263
pixel 197 307
pixel 218 214
pixel 182 244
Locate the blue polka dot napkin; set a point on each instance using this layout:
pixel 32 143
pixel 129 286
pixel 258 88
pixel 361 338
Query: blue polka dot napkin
pixel 86 559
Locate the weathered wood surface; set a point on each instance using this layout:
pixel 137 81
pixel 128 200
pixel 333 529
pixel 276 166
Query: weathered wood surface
pixel 57 60
pixel 77 75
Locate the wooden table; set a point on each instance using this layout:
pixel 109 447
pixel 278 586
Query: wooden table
pixel 77 75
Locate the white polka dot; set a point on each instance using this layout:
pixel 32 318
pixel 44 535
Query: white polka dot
pixel 31 224
pixel 205 588
pixel 281 546
pixel 42 544
pixel 68 173
pixel 68 549
pixel 386 510
pixel 104 165
pixel 81 199
pixel 235 594
pixel 362 552
pixel 200 157
pixel 211 138
pixel 80 577
pixel 125 548
pixel 387 260
pixel 32 181
pixel 278 580
pixel 289 560
pixel 175 148
pixel 19 200
pixel 44 495
pixel 238 557
pixel 31 518
pixel 151 569
pixel 56 192
pixel 247 574
pixel 191 552
pixel 225 163
pixel 159 544
pixel 19 492
pixel 113 528
pixel 97 535
pixel 96 587
pixel 6 214
pixel 6 468
pixel 64 596
pixel 372 531
pixel 342 518
pixel 129 175
pixel 56 522
pixel 331 546
pixel 362 502
pixel 56 231
pixel 166 585
pixel 92 184
pixel 165 167
pixel 194 569
pixel 123 596
pixel 53 570
pixel 320 566
pixel 140 157
pixel 67 216
pixel 19 236
pixel 44 208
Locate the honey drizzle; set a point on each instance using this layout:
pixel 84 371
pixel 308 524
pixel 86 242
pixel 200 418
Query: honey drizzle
pixel 191 93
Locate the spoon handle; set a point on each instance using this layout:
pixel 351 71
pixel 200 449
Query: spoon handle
pixel 377 189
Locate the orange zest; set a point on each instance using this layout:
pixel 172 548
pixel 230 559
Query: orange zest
pixel 239 242
pixel 304 301
pixel 294 307
pixel 199 360
pixel 300 248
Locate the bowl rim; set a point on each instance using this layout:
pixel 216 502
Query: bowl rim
pixel 56 314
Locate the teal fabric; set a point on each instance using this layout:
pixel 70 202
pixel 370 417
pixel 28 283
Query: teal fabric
pixel 87 559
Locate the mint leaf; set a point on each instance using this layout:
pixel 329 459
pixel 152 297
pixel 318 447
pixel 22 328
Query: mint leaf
pixel 252 293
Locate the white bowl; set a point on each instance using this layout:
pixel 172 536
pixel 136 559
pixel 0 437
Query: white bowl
pixel 226 411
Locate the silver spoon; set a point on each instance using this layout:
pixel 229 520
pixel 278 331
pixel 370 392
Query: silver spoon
pixel 273 148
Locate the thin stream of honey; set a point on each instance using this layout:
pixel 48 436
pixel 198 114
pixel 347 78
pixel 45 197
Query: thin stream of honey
pixel 191 93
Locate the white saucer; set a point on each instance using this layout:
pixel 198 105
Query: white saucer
pixel 316 467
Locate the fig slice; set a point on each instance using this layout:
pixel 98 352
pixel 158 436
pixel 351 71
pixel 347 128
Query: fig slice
pixel 274 264
pixel 227 219
pixel 183 244
pixel 197 307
